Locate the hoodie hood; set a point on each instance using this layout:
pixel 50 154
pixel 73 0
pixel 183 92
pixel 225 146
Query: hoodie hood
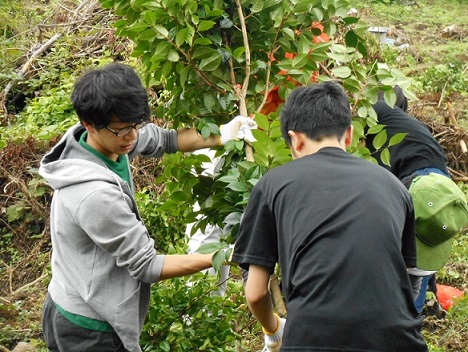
pixel 69 163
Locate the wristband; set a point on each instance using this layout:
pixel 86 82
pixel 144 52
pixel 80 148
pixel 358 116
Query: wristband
pixel 278 323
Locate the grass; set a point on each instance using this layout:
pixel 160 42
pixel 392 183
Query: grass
pixel 438 64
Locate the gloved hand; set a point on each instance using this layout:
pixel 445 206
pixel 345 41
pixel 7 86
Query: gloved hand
pixel 245 133
pixel 273 340
pixel 236 129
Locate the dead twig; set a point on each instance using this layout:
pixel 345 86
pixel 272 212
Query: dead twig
pixel 78 13
pixel 24 69
pixel 452 117
pixel 32 283
pixel 463 146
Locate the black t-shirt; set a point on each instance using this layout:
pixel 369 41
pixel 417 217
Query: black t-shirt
pixel 342 230
pixel 418 150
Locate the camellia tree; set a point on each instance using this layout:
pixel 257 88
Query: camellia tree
pixel 213 59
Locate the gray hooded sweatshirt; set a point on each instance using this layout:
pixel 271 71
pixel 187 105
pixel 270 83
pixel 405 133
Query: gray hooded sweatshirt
pixel 103 259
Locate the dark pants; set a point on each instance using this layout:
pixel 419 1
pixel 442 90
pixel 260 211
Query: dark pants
pixel 62 335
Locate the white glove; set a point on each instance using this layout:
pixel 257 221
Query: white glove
pixel 236 129
pixel 245 133
pixel 274 340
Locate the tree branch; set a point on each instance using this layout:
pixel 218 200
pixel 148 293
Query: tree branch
pixel 242 92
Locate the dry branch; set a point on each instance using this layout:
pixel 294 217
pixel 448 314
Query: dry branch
pixel 25 68
pixel 23 288
pixel 78 17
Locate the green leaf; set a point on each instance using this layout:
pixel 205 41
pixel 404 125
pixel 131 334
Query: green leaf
pixel 257 6
pixel 375 129
pixel 261 159
pixel 202 41
pixel 397 138
pixel 262 121
pixel 352 85
pixel 162 31
pixel 148 35
pixel 388 81
pixel 209 101
pixel 358 129
pixel 138 27
pixel 181 36
pixel 362 111
pixel 351 39
pixel 318 13
pixel 341 71
pixel 152 5
pixel 237 186
pixel 184 75
pixel 385 156
pixel 362 48
pixel 203 26
pixel 409 94
pixel 150 17
pixel 340 57
pixel 233 218
pixel 219 258
pixel 371 93
pixel 237 53
pixel 166 69
pixel 14 212
pixel 380 139
pixel 173 56
pixel 228 178
pixel 288 32
pixel 208 248
pixel 162 49
pixel 300 61
pixel 178 197
pixel 390 97
pixel 350 20
pixel 211 63
pixel 137 4
pixel 203 52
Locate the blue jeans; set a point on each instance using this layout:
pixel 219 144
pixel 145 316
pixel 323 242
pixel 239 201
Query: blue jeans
pixel 421 299
pixel 426 171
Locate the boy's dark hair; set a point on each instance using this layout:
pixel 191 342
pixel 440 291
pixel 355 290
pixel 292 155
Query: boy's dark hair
pixel 114 90
pixel 319 111
pixel 401 100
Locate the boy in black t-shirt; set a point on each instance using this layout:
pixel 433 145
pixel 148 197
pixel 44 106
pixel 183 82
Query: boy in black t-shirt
pixel 342 231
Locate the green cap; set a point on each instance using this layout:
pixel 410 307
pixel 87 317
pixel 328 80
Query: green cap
pixel 441 212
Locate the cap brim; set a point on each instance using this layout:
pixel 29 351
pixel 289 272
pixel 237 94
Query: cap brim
pixel 432 258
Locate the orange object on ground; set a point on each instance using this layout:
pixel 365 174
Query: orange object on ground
pixel 446 294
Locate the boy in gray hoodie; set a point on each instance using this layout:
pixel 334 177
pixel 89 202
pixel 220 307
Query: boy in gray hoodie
pixel 103 258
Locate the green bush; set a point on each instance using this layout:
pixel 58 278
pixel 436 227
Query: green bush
pixel 185 316
pixel 447 77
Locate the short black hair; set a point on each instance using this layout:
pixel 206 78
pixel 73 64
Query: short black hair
pixel 112 91
pixel 321 110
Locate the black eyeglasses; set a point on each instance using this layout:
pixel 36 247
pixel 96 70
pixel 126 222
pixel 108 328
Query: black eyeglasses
pixel 126 130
